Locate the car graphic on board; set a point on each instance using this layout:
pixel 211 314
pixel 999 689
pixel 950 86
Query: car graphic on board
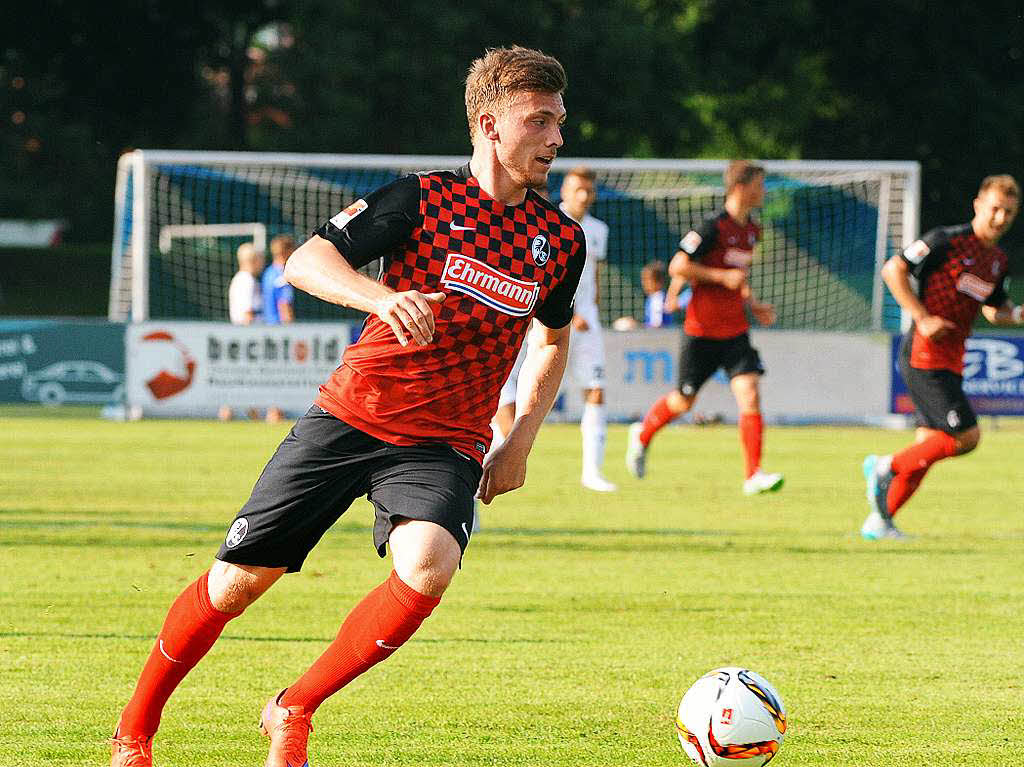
pixel 78 381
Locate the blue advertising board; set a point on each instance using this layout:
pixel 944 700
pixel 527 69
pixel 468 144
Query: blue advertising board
pixel 993 376
pixel 58 362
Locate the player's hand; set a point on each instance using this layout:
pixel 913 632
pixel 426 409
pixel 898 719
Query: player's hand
pixel 580 324
pixel 504 470
pixel 671 304
pixel 763 313
pixel 410 314
pixel 734 279
pixel 934 327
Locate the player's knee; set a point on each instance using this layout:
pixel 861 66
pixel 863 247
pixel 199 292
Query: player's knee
pixel 968 440
pixel 678 402
pixel 233 588
pixel 425 555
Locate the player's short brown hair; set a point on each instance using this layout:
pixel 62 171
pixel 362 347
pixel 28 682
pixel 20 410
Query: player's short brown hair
pixel 1004 182
pixel 496 77
pixel 741 172
pixel 583 172
pixel 654 271
pixel 283 243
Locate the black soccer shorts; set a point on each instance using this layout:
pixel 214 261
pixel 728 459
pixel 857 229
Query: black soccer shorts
pixel 699 358
pixel 322 466
pixel 938 396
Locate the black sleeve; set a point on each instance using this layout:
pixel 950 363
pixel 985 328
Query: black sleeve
pixel 371 227
pixel 924 254
pixel 698 242
pixel 557 310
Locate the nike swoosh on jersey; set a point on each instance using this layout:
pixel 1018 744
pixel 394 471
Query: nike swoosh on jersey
pixel 457 228
pixel 380 644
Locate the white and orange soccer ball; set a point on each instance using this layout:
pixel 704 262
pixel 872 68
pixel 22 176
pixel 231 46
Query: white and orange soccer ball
pixel 731 716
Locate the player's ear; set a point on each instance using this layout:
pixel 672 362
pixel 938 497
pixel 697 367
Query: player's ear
pixel 488 126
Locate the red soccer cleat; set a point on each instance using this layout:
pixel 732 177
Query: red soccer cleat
pixel 129 751
pixel 288 730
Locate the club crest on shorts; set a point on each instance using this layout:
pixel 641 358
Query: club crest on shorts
pixel 541 250
pixel 237 533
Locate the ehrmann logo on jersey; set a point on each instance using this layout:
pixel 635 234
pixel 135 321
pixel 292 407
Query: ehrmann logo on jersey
pixel 489 286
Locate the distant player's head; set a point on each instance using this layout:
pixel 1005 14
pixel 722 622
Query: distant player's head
pixel 744 181
pixel 281 247
pixel 250 258
pixel 652 277
pixel 995 207
pixel 579 190
pixel 514 107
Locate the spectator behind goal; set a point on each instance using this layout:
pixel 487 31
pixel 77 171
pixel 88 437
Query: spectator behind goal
pixel 245 301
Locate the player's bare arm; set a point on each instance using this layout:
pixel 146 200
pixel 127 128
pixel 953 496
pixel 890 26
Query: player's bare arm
pixel 896 274
pixel 763 312
pixel 539 380
pixel 675 287
pixel 685 268
pixel 319 269
pixel 1007 314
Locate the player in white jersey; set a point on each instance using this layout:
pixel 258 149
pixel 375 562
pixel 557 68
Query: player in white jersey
pixel 586 355
pixel 586 351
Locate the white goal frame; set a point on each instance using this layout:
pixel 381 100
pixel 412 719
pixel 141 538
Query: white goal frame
pixel 134 179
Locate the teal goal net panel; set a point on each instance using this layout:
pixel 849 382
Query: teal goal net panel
pixel 826 227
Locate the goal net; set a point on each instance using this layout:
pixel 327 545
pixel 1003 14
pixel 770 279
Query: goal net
pixel 827 227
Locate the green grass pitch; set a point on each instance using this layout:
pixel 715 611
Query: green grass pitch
pixel 575 626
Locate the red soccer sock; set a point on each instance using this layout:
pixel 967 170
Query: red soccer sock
pixel 189 631
pixel 751 434
pixel 375 628
pixel 657 417
pixel 921 455
pixel 902 487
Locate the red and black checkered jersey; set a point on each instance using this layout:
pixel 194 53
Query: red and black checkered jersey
pixel 500 265
pixel 956 274
pixel 724 243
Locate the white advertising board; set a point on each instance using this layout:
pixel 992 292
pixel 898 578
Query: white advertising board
pixel 811 377
pixel 191 369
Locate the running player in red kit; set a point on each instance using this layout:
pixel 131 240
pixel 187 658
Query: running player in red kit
pixel 959 270
pixel 470 257
pixel 715 259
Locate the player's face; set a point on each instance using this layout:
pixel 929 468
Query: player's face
pixel 530 134
pixel 994 211
pixel 753 192
pixel 578 194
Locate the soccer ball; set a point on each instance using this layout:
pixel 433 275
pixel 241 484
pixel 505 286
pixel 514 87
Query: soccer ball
pixel 731 716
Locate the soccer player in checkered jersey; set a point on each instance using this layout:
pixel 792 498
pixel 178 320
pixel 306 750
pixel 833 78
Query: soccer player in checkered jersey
pixel 715 259
pixel 959 270
pixel 470 257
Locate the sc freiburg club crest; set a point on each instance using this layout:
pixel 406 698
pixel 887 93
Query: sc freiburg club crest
pixel 541 250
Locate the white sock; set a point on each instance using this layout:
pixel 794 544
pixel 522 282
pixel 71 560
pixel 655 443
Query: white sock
pixel 594 428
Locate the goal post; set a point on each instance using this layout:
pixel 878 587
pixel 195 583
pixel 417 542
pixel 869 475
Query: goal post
pixel 828 226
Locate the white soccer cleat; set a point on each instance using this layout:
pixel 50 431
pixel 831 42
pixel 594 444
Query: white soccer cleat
pixel 878 527
pixel 877 470
pixel 636 452
pixel 597 483
pixel 759 482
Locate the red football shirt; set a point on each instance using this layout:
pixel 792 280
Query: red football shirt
pixel 500 265
pixel 956 274
pixel 724 243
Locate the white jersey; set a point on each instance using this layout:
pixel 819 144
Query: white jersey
pixel 244 296
pixel 596 232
